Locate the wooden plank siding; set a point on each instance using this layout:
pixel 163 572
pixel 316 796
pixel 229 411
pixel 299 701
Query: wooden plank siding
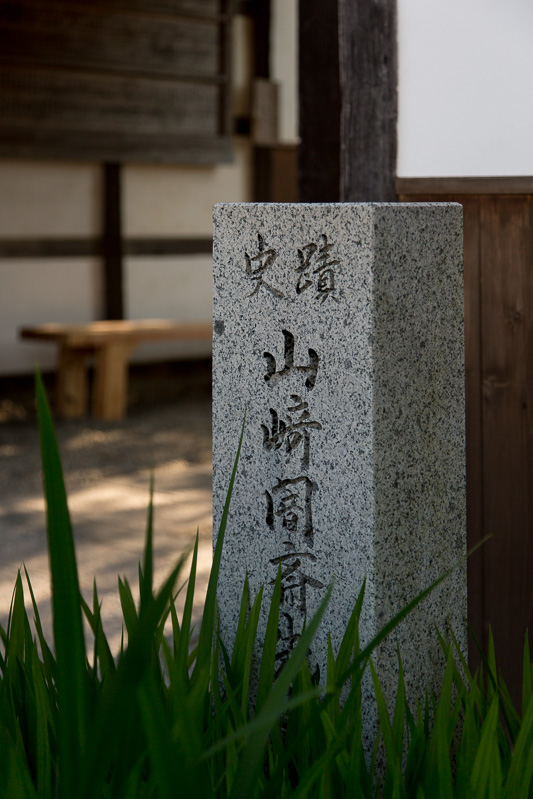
pixel 143 82
pixel 498 273
pixel 74 37
pixel 507 369
pixel 192 8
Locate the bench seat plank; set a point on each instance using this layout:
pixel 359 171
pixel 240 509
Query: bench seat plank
pixel 110 343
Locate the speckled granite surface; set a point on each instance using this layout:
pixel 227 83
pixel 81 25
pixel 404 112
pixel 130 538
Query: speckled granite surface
pixel 339 328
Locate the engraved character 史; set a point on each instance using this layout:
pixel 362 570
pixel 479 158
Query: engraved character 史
pixel 258 264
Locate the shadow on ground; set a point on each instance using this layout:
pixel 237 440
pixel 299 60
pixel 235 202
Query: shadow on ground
pixel 107 473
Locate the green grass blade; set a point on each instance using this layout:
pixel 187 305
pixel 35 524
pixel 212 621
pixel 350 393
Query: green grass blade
pixel 399 716
pixel 184 634
pixel 250 635
pixel 16 628
pixel 43 724
pixel 127 604
pixel 239 645
pixel 117 696
pixel 167 775
pixel 102 650
pixel 207 630
pixel 146 584
pixel 252 755
pixel 46 652
pixel 395 621
pixel 486 774
pixel 527 676
pixel 393 759
pixel 519 779
pixel 19 782
pixel 268 656
pixel 67 618
pixel 350 639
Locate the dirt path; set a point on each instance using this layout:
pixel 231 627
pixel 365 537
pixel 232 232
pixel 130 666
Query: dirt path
pixel 107 474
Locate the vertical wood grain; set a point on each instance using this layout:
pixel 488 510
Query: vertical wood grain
pixel 507 332
pixel 319 101
pixel 473 422
pixel 498 269
pixel 368 85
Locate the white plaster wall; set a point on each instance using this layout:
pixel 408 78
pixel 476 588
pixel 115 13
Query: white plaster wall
pixel 49 199
pixel 37 291
pixel 178 288
pixel 39 200
pixel 284 65
pixel 170 200
pixel 465 76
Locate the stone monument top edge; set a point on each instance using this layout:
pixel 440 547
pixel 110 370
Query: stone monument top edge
pixel 267 205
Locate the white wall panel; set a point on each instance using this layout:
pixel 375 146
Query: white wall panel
pixel 284 65
pixel 34 292
pixel 178 201
pixel 46 199
pixel 179 288
pixel 465 74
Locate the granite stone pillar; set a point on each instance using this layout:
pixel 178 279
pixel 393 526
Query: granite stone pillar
pixel 339 328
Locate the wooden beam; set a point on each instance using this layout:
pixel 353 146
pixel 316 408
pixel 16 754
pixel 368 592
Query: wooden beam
pixel 50 248
pixel 466 185
pixel 261 17
pixel 93 247
pixel 275 173
pixel 319 101
pixel 168 246
pixel 113 305
pixel 368 85
pixel 348 103
pixel 225 107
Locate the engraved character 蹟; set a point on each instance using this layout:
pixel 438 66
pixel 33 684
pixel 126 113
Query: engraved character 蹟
pixel 314 259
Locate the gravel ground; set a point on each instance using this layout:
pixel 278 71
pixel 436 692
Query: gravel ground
pixel 107 473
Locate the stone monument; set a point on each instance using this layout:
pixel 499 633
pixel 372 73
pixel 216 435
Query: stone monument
pixel 339 329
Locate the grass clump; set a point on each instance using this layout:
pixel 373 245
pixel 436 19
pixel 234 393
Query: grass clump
pixel 167 720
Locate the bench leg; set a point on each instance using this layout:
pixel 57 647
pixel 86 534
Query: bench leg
pixel 72 382
pixel 110 390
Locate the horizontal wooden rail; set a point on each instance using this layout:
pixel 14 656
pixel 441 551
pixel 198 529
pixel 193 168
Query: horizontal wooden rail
pixel 93 247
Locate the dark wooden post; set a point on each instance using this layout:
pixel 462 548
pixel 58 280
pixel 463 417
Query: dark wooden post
pixel 319 101
pixel 368 77
pixel 348 101
pixel 112 249
pixel 260 11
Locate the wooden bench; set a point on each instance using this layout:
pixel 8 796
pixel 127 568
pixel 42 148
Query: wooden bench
pixel 108 344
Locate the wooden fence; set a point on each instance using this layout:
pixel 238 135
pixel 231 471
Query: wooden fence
pixel 498 274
